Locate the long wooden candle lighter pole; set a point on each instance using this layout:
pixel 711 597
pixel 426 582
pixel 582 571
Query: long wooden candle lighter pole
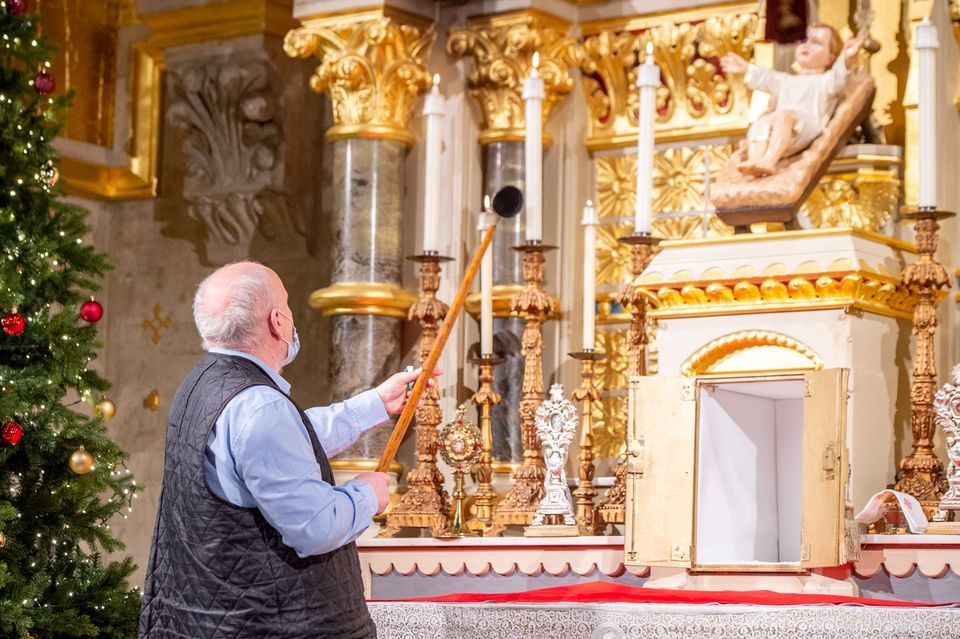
pixel 508 210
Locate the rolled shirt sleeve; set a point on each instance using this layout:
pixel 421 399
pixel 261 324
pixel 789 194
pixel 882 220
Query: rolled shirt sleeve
pixel 339 425
pixel 275 460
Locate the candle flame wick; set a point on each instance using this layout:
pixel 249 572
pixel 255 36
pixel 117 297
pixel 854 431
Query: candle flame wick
pixel 589 202
pixel 536 59
pixel 649 49
pixel 436 79
pixel 486 202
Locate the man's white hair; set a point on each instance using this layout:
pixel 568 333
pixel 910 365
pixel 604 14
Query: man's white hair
pixel 228 316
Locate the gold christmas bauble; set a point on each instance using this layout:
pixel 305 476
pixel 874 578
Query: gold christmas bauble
pixel 81 461
pixel 106 408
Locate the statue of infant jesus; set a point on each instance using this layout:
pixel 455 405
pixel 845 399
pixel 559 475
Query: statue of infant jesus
pixel 802 104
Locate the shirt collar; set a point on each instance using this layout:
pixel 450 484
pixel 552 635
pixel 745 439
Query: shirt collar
pixel 281 383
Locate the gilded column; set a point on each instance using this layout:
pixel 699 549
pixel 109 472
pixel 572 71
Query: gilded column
pixel 500 48
pixel 372 66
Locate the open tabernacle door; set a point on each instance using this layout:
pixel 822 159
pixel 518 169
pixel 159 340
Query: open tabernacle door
pixel 661 440
pixel 825 467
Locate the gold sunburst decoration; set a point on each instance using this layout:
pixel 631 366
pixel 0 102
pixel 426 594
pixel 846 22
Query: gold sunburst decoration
pixel 609 426
pixel 678 179
pixel 613 257
pixel 616 186
pixel 611 373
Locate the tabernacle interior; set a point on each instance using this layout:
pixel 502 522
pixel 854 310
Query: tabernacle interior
pixel 749 472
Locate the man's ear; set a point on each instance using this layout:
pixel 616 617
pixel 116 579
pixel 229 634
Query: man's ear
pixel 273 322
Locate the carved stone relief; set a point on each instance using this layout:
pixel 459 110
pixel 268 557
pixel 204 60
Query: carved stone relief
pixel 232 152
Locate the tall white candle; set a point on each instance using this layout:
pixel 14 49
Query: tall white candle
pixel 927 44
pixel 589 222
pixel 486 286
pixel 433 113
pixel 648 79
pixel 533 95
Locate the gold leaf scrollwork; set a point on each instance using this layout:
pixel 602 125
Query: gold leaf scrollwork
pixel 609 426
pixel 695 93
pixel 611 372
pixel 373 70
pixel 502 48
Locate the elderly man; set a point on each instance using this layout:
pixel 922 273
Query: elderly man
pixel 253 537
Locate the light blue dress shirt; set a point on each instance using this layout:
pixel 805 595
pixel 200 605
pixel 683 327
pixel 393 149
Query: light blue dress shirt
pixel 259 456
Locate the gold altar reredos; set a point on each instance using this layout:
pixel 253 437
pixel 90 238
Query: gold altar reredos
pixel 372 65
pixel 501 47
pixel 695 100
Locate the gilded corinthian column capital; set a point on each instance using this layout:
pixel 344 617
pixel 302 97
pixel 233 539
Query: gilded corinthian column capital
pixel 501 47
pixel 372 65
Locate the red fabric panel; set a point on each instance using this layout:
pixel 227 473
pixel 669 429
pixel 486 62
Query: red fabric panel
pixel 607 592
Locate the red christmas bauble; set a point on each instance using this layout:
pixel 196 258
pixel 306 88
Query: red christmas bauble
pixel 16 7
pixel 13 323
pixel 11 434
pixel 44 83
pixel 91 311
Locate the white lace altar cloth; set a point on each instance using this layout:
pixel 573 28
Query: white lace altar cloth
pixel 400 620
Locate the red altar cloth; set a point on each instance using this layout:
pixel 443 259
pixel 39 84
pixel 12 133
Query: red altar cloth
pixel 607 592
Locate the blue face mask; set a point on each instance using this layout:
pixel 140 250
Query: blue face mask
pixel 292 347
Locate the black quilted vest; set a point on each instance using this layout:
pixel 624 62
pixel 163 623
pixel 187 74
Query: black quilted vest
pixel 221 571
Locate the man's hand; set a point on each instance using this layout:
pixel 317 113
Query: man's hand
pixel 380 482
pixel 732 63
pixel 393 392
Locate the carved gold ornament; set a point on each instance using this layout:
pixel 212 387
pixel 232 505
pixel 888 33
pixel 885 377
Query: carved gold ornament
pixel 609 426
pixel 678 179
pixel 501 47
pixel 769 351
pixel 616 186
pixel 373 67
pixel 611 373
pixel 679 184
pixel 863 200
pixel 695 98
pixel 859 290
pixel 613 257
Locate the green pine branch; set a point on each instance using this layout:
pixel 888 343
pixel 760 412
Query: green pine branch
pixel 55 580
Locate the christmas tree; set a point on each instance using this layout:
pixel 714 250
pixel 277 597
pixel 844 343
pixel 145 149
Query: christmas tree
pixel 61 477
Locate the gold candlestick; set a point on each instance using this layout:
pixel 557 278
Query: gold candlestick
pixel 460 445
pixel 485 398
pixel 425 504
pixel 612 508
pixel 921 473
pixel 586 492
pixel 534 305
